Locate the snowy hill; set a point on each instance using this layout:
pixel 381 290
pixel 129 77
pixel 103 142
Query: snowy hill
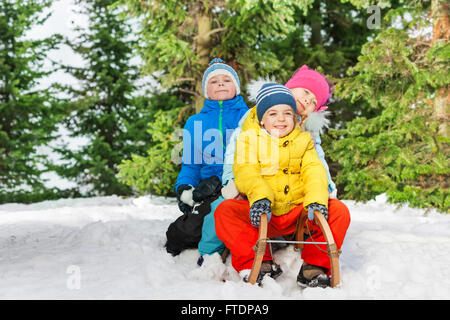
pixel 112 248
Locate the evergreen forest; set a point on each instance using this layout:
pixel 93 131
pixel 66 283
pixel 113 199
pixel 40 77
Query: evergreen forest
pixel 142 78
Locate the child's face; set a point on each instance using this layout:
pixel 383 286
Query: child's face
pixel 306 101
pixel 279 120
pixel 220 87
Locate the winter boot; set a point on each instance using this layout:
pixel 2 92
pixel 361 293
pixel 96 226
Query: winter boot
pixel 312 276
pixel 267 267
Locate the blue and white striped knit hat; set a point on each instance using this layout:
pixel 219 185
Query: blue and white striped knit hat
pixel 272 94
pixel 218 66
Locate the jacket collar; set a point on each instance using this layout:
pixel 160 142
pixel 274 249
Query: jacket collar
pixel 235 103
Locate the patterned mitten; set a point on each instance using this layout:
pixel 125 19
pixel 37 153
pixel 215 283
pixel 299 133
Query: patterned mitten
pixel 258 208
pixel 316 206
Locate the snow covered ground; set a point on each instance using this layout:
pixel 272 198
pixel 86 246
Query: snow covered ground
pixel 112 248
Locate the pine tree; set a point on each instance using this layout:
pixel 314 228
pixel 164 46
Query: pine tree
pixel 156 171
pixel 26 113
pixel 328 38
pixel 107 108
pixel 267 38
pixel 178 38
pixel 401 150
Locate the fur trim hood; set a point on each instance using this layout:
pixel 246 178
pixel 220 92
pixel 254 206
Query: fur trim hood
pixel 254 85
pixel 317 121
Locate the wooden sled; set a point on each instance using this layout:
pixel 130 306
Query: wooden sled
pixel 333 252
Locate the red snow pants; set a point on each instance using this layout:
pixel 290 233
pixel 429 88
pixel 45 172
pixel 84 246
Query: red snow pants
pixel 233 227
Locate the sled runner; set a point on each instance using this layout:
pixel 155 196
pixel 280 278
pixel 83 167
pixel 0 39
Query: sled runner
pixel 260 248
pixel 302 228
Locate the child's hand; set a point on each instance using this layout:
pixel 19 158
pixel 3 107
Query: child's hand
pixel 230 191
pixel 207 188
pixel 257 209
pixel 316 206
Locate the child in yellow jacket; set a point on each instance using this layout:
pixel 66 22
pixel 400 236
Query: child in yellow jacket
pixel 277 167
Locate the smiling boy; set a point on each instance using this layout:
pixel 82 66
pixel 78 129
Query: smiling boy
pixel 279 181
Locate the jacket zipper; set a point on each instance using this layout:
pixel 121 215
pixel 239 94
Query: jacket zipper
pixel 220 123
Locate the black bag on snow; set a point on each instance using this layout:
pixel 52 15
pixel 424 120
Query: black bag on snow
pixel 186 231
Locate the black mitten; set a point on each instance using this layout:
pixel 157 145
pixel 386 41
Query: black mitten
pixel 207 188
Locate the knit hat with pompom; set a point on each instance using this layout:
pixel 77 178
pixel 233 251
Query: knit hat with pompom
pixel 218 66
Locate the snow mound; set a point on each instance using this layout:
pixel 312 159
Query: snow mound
pixel 113 248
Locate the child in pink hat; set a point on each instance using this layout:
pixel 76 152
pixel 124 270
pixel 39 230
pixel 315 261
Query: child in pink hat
pixel 312 81
pixel 311 92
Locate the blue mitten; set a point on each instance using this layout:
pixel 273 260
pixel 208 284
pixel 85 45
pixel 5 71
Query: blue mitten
pixel 258 208
pixel 316 206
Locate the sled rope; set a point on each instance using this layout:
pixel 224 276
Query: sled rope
pixel 332 249
pixel 309 232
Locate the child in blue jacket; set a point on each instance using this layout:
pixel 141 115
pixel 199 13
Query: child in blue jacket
pixel 206 134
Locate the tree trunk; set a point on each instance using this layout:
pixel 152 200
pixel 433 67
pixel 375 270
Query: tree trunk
pixel 316 28
pixel 441 30
pixel 203 49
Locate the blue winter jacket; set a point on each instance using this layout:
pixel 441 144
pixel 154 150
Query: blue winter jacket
pixel 205 137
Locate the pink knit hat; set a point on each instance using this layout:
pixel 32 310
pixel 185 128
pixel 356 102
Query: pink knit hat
pixel 313 81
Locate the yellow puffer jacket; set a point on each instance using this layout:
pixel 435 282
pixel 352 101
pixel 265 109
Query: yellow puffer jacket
pixel 287 170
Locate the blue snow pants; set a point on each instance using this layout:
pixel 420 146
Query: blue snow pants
pixel 209 243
